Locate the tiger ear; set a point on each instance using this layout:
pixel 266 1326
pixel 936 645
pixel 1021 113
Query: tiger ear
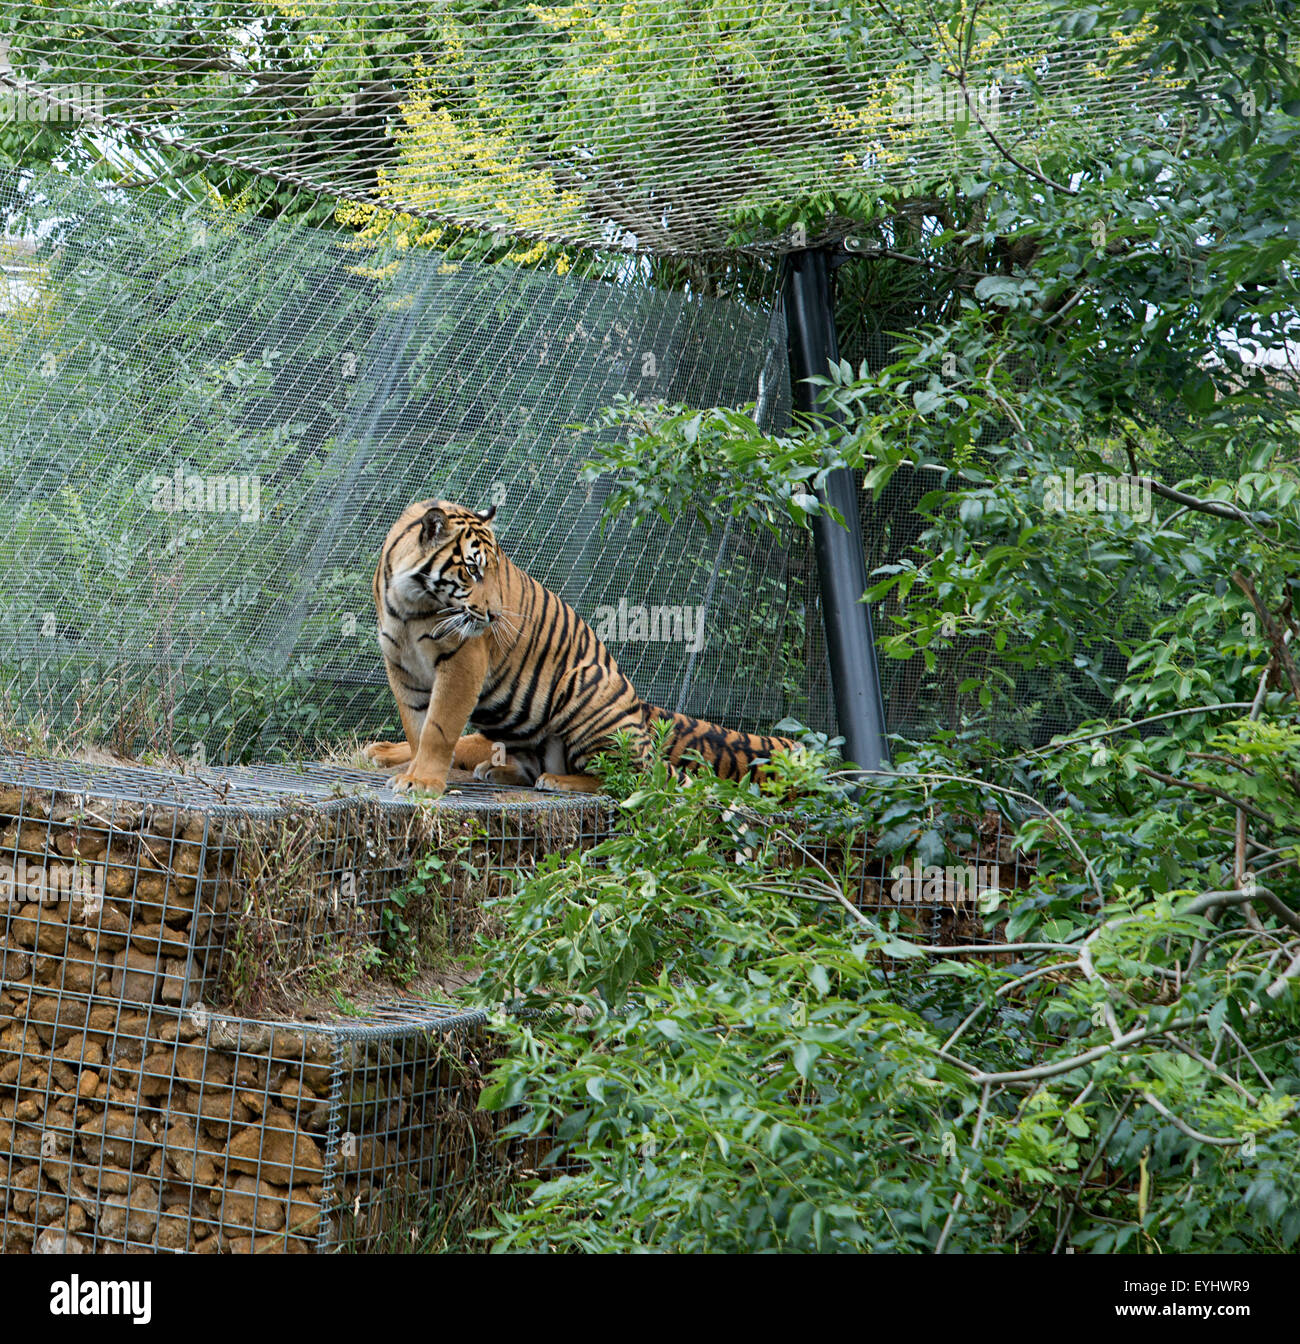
pixel 432 526
pixel 487 514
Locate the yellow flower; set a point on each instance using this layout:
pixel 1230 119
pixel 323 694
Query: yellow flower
pixel 376 272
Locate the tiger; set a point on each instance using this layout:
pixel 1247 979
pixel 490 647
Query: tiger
pixel 470 641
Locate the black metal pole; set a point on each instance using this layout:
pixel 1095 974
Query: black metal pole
pixel 850 642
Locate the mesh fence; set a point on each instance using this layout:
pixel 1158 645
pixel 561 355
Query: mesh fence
pixel 878 309
pixel 211 415
pixel 209 422
pixel 643 124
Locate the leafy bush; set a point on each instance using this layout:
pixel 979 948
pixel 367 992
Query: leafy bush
pixel 731 1056
pixel 734 1066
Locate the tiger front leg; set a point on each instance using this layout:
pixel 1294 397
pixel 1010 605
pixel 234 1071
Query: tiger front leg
pixel 490 761
pixel 555 778
pixel 391 754
pixel 387 754
pixel 453 698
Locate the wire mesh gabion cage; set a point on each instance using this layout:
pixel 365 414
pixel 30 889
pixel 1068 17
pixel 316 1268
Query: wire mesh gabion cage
pixel 179 1131
pixel 271 271
pixel 137 907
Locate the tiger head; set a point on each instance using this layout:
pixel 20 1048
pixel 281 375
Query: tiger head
pixel 453 561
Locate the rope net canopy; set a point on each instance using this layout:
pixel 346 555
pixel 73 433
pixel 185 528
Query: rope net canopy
pixel 645 125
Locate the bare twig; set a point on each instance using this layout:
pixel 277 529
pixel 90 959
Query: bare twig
pixel 1126 727
pixel 1209 789
pixel 1274 631
pixel 965 1172
pixel 1240 838
pixel 1184 1128
pixel 960 75
pixel 1135 1037
pixel 1278 987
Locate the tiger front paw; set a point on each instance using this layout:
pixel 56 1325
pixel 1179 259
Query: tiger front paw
pixel 387 753
pixel 550 783
pixel 471 750
pixel 510 773
pixel 417 781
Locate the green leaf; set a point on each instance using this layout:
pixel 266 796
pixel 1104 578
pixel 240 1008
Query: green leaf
pixel 806 1055
pixel 995 287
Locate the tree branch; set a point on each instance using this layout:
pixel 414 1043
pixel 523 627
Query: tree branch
pixel 1274 631
pixel 1209 789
